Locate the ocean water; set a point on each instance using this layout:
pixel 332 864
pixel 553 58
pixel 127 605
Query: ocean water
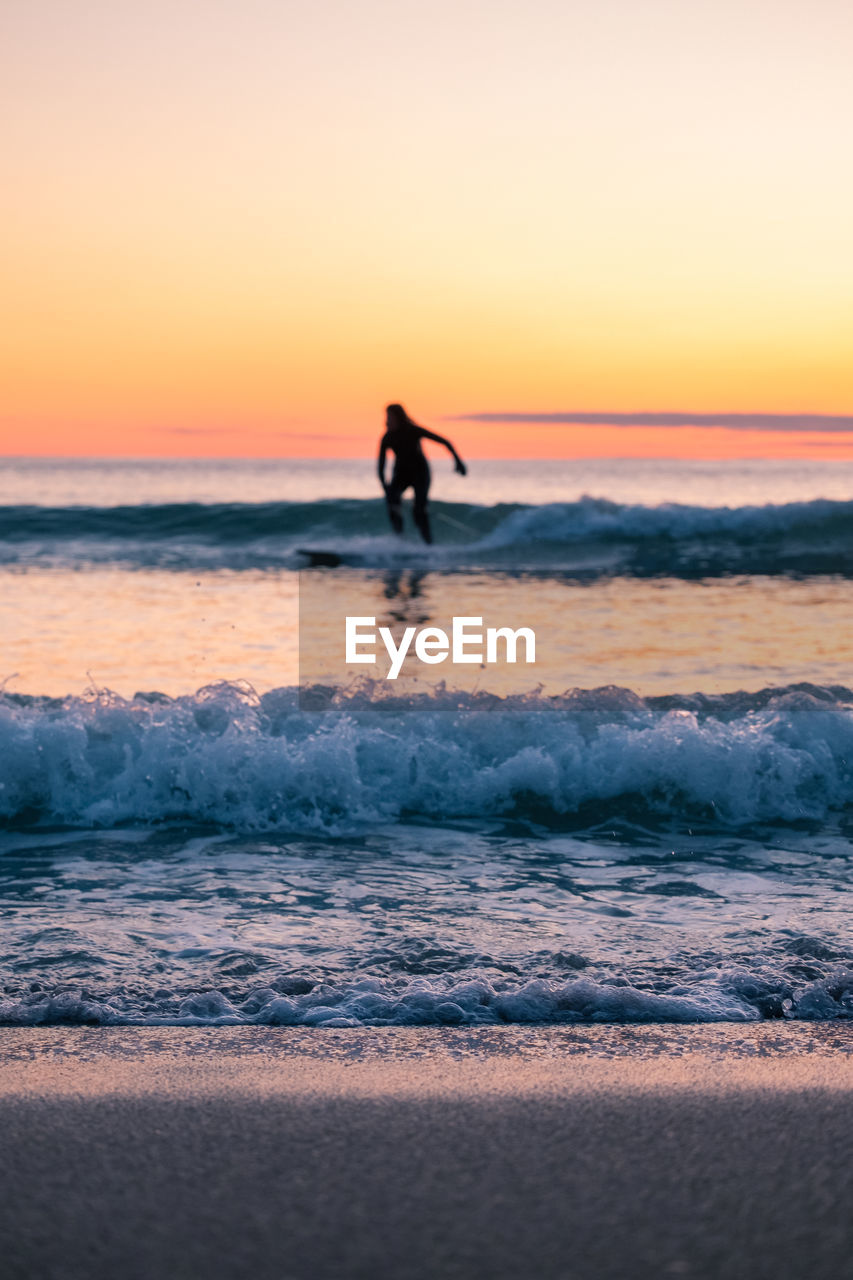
pixel 205 818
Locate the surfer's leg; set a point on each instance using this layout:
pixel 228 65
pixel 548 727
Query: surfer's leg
pixel 420 510
pixel 393 498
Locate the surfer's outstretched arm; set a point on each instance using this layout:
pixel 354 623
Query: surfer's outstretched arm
pixel 430 435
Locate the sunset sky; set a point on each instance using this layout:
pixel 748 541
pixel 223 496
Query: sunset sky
pixel 240 227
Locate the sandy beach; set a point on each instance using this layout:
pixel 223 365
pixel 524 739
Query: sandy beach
pixel 512 1152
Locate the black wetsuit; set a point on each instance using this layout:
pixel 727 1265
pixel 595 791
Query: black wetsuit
pixel 411 471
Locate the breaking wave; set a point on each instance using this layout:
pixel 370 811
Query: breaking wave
pixel 592 534
pixel 240 761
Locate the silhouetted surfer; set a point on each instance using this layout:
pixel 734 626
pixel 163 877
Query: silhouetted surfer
pixel 411 469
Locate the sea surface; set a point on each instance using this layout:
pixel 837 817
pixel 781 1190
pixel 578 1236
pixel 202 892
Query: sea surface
pixel 206 819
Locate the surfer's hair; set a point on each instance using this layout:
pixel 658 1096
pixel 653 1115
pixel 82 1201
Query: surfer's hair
pixel 397 416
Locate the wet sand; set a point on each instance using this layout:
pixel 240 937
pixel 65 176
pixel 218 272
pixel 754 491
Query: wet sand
pixel 607 1153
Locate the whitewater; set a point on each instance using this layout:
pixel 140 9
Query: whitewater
pixel 203 822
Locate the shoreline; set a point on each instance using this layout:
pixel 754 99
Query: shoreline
pixel 61 1060
pixel 595 1153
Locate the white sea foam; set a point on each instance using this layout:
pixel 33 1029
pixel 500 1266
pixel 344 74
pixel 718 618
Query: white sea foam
pixel 598 518
pixel 439 1002
pixel 228 757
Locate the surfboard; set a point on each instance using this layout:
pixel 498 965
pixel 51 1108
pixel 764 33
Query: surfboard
pixel 317 558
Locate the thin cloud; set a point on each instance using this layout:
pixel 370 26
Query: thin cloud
pixel 195 431
pixel 826 444
pixel 837 422
pixel 241 431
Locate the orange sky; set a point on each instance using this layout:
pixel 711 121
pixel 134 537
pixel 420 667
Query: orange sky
pixel 242 229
